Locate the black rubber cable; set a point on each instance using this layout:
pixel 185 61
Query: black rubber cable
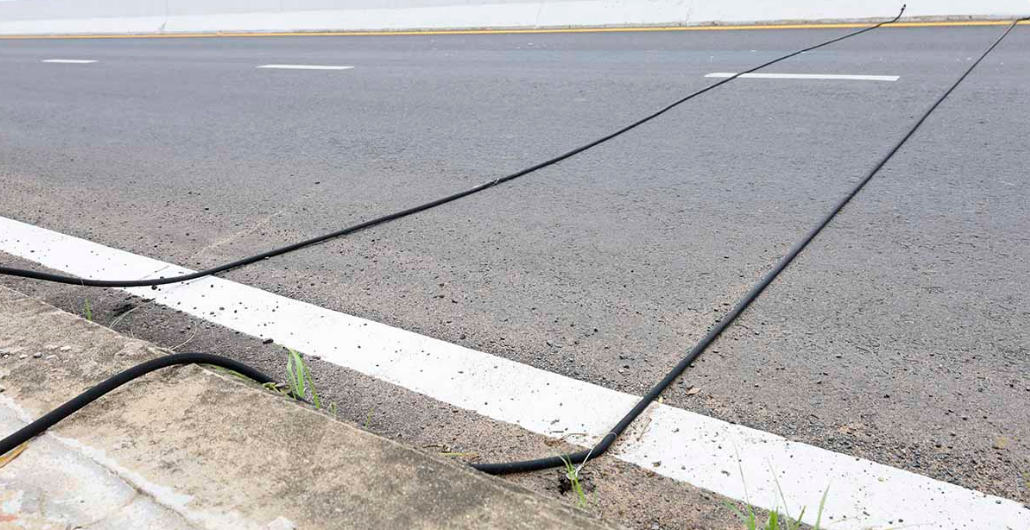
pixel 721 325
pixel 71 280
pixel 51 418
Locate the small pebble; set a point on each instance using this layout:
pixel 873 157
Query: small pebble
pixel 37 355
pixel 66 348
pixel 23 356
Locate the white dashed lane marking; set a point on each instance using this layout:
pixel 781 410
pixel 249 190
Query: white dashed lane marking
pixel 809 76
pixel 304 67
pixel 70 61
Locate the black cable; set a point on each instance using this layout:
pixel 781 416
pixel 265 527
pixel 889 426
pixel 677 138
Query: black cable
pixel 51 418
pixel 58 278
pixel 721 325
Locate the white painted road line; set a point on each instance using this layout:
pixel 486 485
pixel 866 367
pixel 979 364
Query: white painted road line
pixel 691 447
pixel 70 61
pixel 304 67
pixel 809 76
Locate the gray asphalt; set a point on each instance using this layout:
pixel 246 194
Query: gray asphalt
pixel 899 335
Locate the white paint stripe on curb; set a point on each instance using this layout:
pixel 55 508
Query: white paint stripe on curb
pixel 70 61
pixel 809 76
pixel 691 447
pixel 304 67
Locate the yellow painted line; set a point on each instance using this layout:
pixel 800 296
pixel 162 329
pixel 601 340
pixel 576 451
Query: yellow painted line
pixel 514 31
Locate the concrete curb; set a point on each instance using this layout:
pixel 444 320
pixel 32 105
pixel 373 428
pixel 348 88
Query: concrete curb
pixel 193 448
pixel 850 23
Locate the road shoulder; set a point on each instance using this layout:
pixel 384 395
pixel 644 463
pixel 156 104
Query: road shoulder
pixel 193 448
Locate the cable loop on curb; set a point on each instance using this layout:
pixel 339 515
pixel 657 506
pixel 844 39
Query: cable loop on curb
pixel 51 418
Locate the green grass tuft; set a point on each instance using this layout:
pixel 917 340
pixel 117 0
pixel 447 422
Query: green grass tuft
pixel 298 377
pixel 368 419
pixel 573 475
pixel 88 311
pixel 299 383
pixel 776 520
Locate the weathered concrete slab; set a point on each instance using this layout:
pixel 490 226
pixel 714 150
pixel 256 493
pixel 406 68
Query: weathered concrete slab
pixel 192 448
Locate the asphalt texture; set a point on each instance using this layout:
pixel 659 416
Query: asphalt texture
pixel 900 334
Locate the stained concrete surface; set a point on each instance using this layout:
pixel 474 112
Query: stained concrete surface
pixel 193 448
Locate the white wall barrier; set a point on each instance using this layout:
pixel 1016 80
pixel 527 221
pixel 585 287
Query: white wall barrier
pixel 29 17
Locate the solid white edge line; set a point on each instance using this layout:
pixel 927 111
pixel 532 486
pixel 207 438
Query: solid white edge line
pixel 690 447
pixel 70 61
pixel 304 67
pixel 840 77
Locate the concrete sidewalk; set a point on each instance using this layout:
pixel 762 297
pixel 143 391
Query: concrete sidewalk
pixel 190 447
pixel 163 17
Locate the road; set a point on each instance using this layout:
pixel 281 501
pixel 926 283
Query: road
pixel 899 336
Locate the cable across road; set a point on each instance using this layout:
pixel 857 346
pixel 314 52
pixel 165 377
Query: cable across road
pixel 55 416
pixel 741 305
pixel 154 282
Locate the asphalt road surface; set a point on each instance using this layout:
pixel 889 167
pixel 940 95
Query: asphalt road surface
pixel 900 335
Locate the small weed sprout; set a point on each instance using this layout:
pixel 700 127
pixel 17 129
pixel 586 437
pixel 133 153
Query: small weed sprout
pixel 299 383
pixel 298 377
pixel 573 475
pixel 368 419
pixel 776 521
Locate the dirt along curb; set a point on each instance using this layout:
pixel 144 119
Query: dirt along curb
pixel 192 447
